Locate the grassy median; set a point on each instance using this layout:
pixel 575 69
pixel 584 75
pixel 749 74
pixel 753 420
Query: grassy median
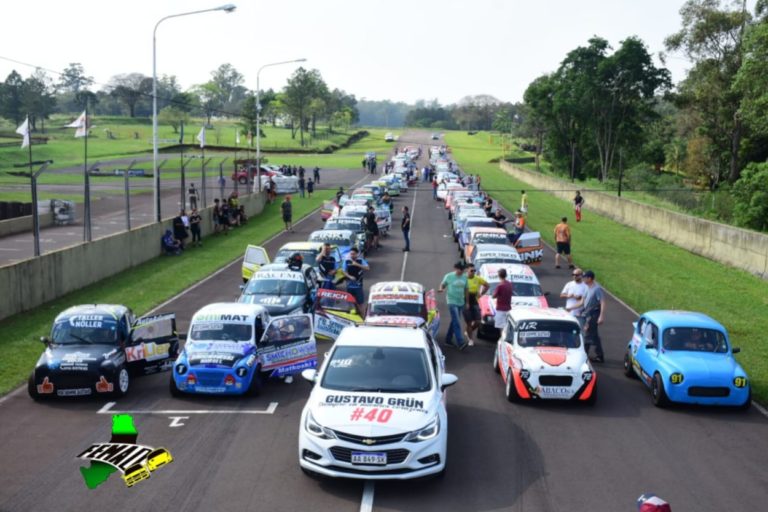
pixel 645 272
pixel 140 288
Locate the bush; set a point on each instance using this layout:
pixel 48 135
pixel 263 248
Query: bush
pixel 751 194
pixel 639 177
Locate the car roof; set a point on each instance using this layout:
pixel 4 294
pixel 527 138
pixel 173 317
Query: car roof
pixel 397 287
pixel 678 318
pixel 381 336
pixel 281 267
pixel 489 271
pixel 230 308
pixel 518 314
pixel 114 310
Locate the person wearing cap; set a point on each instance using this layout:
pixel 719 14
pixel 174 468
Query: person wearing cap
pixel 593 315
pixel 455 283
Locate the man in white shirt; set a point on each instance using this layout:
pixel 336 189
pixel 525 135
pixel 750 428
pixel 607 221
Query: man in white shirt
pixel 573 292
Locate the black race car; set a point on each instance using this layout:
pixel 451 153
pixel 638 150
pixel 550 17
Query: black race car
pixel 95 349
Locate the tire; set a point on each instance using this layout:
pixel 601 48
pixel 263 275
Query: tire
pixel 256 383
pixel 32 389
pixel 629 372
pixel 509 389
pixel 242 180
pixel 175 391
pixel 658 395
pixel 122 382
pixel 496 361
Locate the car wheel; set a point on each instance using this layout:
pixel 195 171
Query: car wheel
pixel 658 394
pixel 32 389
pixel 496 360
pixel 242 180
pixel 175 391
pixel 256 383
pixel 509 390
pixel 123 383
pixel 629 372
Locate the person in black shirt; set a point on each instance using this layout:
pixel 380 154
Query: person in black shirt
pixel 500 219
pixel 310 187
pixel 371 227
pixel 194 226
pixel 327 265
pixel 488 206
pixel 179 229
pixel 405 225
pixel 316 174
pixel 353 271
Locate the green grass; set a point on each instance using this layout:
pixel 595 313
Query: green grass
pixel 141 288
pixel 645 272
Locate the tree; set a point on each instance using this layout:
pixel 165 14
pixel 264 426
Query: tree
pixel 12 98
pixel 248 114
pixel 209 97
pixel 750 80
pixel 73 79
pixel 712 37
pixel 173 116
pixel 185 101
pixel 229 84
pixel 303 86
pixel 129 88
pixel 38 99
pixel 751 194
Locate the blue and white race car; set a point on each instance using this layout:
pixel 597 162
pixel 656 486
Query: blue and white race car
pixel 686 357
pixel 232 348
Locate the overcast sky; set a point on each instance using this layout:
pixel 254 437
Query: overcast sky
pixel 375 49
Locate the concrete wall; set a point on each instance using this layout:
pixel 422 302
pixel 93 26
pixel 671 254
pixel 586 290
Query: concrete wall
pixel 747 250
pixel 35 281
pixel 23 224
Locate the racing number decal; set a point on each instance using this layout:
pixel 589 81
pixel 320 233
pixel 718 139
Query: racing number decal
pixel 740 382
pixel 676 378
pixel 375 414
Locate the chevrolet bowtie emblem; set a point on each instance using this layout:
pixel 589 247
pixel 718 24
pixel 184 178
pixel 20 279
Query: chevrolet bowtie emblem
pixel 369 441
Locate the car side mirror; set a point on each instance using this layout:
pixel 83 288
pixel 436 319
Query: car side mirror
pixel 735 350
pixel 449 380
pixel 45 340
pixel 309 375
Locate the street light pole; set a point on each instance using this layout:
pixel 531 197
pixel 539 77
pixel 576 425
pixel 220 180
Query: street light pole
pixel 156 171
pixel 258 119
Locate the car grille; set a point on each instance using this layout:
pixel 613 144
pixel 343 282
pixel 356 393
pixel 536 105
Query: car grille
pixel 555 380
pixel 368 441
pixel 710 391
pixel 209 379
pixel 393 456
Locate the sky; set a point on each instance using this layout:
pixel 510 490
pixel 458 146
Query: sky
pixel 402 50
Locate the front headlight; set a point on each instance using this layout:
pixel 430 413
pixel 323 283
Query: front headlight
pixel 430 431
pixel 316 429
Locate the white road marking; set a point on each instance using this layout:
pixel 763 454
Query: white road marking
pixel 405 254
pixel 176 421
pixel 107 409
pixel 366 505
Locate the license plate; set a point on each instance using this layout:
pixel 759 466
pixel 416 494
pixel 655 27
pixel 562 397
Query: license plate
pixel 369 458
pixel 73 392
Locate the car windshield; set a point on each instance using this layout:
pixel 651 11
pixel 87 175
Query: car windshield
pixel 394 307
pixel 694 340
pixel 489 238
pixel 357 214
pixel 309 255
pixel 377 369
pixel 520 289
pixel 275 287
pixel 89 329
pixel 339 302
pixel 352 225
pixel 333 240
pixel 220 331
pixel 548 333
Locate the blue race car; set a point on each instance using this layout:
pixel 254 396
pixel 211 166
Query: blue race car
pixel 232 348
pixel 686 357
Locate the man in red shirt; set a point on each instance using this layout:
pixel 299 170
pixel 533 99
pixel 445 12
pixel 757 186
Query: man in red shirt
pixel 503 296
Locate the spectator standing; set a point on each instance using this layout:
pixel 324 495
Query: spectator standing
pixel 563 241
pixel 434 188
pixel 310 187
pixel 194 195
pixel 371 228
pixel 456 297
pixel 287 209
pixel 272 190
pixel 488 206
pixel 593 315
pixel 327 265
pixel 405 225
pixel 222 185
pixel 524 202
pixel 216 213
pixel 573 292
pixel 578 203
pixel 316 174
pixel 224 216
pixel 234 209
pixel 302 186
pixel 353 270
pixel 301 172
pixel 503 296
pixel 339 194
pixel 476 287
pixel 194 227
pixel 179 229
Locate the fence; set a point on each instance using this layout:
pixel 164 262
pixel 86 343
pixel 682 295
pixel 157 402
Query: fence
pixel 733 246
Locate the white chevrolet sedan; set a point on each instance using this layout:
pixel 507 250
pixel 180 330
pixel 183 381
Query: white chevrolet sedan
pixel 377 409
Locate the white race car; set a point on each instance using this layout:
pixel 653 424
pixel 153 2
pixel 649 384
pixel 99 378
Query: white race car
pixel 526 292
pixel 541 355
pixel 377 408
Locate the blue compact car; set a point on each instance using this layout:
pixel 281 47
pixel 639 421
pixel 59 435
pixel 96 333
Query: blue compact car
pixel 686 357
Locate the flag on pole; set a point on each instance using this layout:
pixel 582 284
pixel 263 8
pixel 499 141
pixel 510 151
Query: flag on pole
pixel 201 137
pixel 81 124
pixel 237 137
pixel 250 138
pixel 23 130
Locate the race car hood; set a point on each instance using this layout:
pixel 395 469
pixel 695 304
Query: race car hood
pixel 488 303
pixel 216 354
pixel 76 358
pixel 394 320
pixel 276 305
pixel 704 366
pixel 540 358
pixel 341 410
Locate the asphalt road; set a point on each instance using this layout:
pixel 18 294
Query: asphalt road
pixel 501 456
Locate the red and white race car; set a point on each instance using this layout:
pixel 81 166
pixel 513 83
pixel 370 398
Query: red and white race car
pixel 526 292
pixel 541 356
